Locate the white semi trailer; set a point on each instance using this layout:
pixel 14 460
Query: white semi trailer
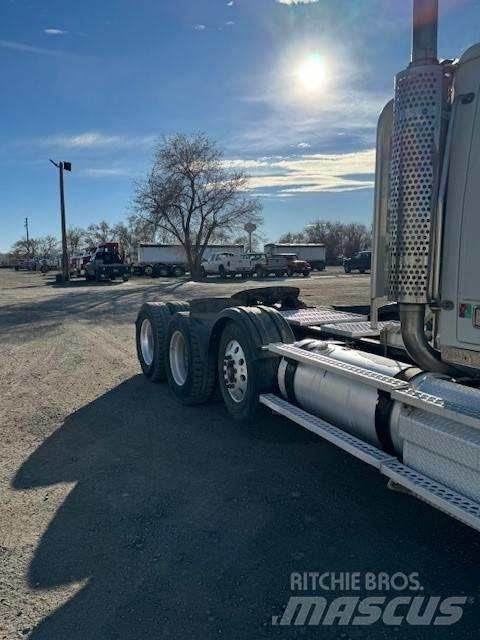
pixel 313 253
pixel 171 259
pixel 395 385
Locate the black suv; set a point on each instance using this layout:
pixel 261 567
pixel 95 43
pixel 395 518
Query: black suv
pixel 361 262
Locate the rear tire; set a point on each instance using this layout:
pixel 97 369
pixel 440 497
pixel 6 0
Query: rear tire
pixel 148 270
pixel 222 272
pixel 347 269
pixel 162 271
pixel 151 333
pixel 243 371
pixel 178 272
pixel 191 379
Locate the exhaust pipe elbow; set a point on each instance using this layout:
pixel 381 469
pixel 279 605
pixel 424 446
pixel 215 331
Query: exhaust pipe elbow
pixel 412 322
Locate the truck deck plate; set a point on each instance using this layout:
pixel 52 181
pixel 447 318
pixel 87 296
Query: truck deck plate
pixel 438 406
pixel 370 378
pixel 319 316
pixel 356 329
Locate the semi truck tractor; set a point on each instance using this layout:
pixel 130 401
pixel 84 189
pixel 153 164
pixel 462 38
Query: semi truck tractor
pixel 395 383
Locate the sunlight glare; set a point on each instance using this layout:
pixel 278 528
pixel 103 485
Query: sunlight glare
pixel 311 73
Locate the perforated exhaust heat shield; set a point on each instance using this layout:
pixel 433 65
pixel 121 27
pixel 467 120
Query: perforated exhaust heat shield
pixel 418 132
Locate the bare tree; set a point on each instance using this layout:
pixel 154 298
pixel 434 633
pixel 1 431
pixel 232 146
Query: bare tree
pixel 192 196
pixel 131 234
pixel 75 239
pixel 355 237
pixel 99 233
pixel 23 249
pixel 47 248
pixel 44 248
pixel 292 238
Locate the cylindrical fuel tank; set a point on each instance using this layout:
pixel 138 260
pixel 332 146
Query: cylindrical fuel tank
pixel 345 402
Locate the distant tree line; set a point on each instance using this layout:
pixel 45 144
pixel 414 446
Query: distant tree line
pixel 129 234
pixel 339 238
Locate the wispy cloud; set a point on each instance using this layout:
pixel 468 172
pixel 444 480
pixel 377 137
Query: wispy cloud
pixel 20 46
pixel 54 32
pixel 230 23
pixel 346 113
pixel 296 1
pixel 199 27
pixel 95 139
pixel 99 172
pixel 310 173
pixel 230 4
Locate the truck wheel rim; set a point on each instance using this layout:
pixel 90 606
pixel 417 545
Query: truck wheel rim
pixel 178 358
pixel 235 372
pixel 146 341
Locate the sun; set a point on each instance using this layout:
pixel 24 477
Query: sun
pixel 311 72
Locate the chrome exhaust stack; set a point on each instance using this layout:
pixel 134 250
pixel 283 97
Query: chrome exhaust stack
pixel 425 32
pixel 418 138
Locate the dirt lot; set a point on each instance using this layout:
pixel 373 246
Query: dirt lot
pixel 126 516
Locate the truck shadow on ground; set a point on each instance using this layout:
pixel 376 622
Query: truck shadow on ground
pixel 181 523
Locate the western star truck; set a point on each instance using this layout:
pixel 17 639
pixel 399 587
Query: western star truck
pixel 314 254
pixel 171 259
pixel 395 383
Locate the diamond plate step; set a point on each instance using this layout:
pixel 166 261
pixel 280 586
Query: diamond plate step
pixel 356 329
pixel 319 316
pixel 434 493
pixel 362 450
pixel 370 378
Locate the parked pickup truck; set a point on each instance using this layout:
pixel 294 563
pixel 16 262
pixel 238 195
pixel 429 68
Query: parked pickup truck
pixel 294 265
pixel 361 262
pixel 263 265
pixel 227 264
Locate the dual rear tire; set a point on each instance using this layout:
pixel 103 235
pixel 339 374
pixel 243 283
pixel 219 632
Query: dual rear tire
pixel 172 346
pixel 151 336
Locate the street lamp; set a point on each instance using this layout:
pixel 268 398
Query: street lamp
pixel 63 166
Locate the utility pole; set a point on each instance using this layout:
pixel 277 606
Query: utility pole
pixel 28 238
pixel 63 166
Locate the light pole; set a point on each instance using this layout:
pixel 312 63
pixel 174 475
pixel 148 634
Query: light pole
pixel 25 224
pixel 63 166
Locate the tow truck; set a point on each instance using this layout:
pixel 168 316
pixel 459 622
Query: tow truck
pixel 396 383
pixel 107 263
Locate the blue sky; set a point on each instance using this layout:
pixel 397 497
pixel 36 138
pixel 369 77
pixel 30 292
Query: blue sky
pixel 97 82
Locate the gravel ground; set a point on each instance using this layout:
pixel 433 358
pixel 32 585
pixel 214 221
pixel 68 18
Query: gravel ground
pixel 126 516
